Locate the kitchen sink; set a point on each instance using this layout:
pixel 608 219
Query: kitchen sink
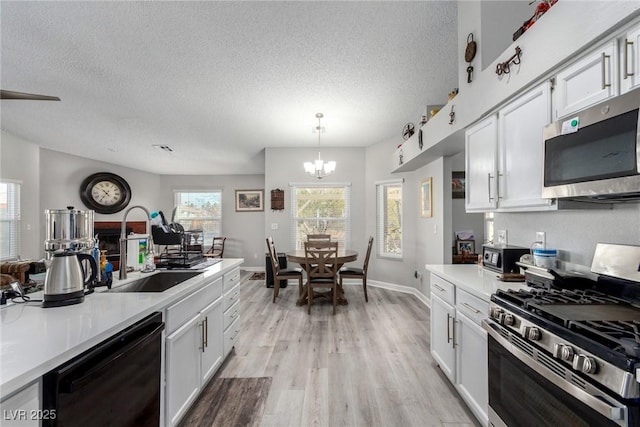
pixel 157 282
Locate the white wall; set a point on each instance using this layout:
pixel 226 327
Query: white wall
pixel 20 161
pixel 243 230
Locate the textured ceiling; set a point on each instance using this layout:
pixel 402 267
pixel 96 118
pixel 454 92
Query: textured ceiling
pixel 220 81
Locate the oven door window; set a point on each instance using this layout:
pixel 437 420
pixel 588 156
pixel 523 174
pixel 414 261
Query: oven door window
pixel 521 397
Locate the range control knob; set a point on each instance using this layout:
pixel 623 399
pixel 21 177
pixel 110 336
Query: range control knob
pixel 567 353
pixel 495 312
pixel 589 366
pixel 531 332
pixel 508 320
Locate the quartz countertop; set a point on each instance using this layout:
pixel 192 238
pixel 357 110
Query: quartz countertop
pixel 476 280
pixel 34 340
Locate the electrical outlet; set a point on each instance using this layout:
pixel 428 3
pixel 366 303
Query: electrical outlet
pixel 274 225
pixel 541 238
pixel 502 237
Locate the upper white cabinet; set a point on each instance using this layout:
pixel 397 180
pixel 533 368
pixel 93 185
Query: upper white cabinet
pixel 630 60
pixel 504 156
pixel 520 149
pixel 481 145
pixel 588 81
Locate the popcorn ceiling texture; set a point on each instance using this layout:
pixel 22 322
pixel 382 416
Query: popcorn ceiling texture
pixel 220 81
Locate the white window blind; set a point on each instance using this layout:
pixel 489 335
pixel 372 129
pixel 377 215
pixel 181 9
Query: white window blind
pixel 321 209
pixel 200 210
pixel 9 220
pixel 389 218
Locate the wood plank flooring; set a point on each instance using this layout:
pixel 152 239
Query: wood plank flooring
pixel 369 365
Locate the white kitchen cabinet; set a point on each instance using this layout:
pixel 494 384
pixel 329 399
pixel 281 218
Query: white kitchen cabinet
pixel 23 408
pixel 590 80
pixel 520 149
pixel 630 60
pixel 231 318
pixel 471 354
pixel 194 351
pixel 481 145
pixel 504 156
pixel 443 326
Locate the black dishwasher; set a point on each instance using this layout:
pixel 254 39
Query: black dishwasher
pixel 117 382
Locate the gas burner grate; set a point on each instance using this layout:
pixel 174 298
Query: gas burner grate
pixel 621 336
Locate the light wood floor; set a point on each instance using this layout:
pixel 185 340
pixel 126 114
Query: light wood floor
pixel 369 365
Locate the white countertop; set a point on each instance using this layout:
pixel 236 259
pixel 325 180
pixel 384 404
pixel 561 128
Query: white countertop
pixel 34 340
pixel 477 281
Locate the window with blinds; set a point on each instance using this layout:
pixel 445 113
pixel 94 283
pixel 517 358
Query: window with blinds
pixel 9 220
pixel 200 210
pixel 389 218
pixel 321 209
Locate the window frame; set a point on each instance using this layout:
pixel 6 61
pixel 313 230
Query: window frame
pixel 297 245
pixel 381 218
pixel 207 237
pixel 12 217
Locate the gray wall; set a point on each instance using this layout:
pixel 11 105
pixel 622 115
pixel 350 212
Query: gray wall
pixel 496 38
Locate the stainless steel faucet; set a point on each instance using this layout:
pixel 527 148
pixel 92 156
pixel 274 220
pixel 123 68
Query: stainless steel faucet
pixel 123 240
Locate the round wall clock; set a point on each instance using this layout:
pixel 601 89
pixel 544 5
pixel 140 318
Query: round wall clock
pixel 105 192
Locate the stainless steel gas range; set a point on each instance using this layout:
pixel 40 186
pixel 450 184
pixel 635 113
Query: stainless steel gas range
pixel 567 351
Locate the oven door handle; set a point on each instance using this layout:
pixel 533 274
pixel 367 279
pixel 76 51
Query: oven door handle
pixel 604 405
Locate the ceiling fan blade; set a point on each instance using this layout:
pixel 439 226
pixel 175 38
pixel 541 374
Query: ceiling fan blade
pixel 7 94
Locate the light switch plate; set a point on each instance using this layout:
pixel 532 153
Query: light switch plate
pixel 274 226
pixel 502 237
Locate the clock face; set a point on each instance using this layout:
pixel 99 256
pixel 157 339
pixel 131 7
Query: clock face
pixel 105 192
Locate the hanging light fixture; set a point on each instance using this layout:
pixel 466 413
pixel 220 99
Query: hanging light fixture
pixel 319 168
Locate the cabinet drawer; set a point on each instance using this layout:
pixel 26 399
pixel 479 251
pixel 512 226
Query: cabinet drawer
pixel 231 314
pixel 443 289
pixel 231 335
pixel 231 297
pixel 184 309
pixel 231 279
pixel 472 307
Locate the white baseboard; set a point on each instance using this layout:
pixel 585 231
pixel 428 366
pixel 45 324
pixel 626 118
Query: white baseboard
pixel 253 269
pixel 392 287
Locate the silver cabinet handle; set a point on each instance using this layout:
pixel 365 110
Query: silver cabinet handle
pixel 627 43
pixel 202 335
pixel 498 185
pixel 489 186
pixel 438 287
pixel 475 310
pixel 604 78
pixel 206 331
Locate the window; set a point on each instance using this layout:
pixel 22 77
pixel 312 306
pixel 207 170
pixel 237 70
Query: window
pixel 488 227
pixel 320 210
pixel 9 220
pixel 200 210
pixel 389 218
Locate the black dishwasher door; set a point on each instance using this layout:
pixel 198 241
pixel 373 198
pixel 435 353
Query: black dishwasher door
pixel 116 383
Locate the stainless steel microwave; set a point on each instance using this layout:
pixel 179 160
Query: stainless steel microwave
pixel 595 154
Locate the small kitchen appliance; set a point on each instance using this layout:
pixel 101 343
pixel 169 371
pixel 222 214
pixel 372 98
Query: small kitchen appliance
pixel 502 258
pixel 69 245
pixel 566 351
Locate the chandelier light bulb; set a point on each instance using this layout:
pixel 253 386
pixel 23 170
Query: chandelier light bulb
pixel 319 168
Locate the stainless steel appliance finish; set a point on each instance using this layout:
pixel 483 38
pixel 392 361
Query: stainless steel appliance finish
pixel 595 154
pixel 65 279
pixel 502 259
pixel 68 229
pixel 573 345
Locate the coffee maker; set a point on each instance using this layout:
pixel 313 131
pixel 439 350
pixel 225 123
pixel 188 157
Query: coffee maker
pixel 70 264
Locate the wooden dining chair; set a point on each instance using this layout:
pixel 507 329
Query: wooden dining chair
pixel 217 248
pixel 358 273
pixel 280 274
pixel 318 237
pixel 322 269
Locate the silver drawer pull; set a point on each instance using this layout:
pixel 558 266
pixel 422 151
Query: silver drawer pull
pixel 604 78
pixel 438 288
pixel 627 43
pixel 475 310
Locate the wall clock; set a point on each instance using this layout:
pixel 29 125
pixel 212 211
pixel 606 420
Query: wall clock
pixel 105 192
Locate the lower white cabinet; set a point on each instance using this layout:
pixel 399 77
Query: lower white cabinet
pixel 23 408
pixel 459 344
pixel 194 351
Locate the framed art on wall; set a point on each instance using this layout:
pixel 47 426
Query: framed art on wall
pixel 458 185
pixel 425 198
pixel 249 200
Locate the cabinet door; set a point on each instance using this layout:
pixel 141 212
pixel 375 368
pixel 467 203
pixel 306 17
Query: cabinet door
pixel 442 336
pixel 213 328
pixel 588 81
pixel 481 142
pixel 183 349
pixel 471 366
pixel 19 409
pixel 520 149
pixel 630 60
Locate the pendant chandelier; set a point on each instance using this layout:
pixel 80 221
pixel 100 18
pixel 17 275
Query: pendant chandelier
pixel 319 168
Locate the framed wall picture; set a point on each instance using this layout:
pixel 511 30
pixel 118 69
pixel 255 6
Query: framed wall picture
pixel 425 198
pixel 249 200
pixel 458 185
pixel 465 247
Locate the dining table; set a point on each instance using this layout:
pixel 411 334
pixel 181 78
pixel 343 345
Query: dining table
pixel 344 256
